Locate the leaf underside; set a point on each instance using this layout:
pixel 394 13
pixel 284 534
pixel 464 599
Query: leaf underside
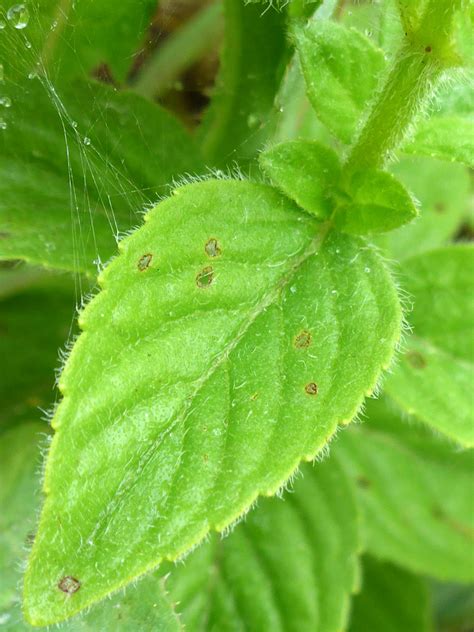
pixel 435 376
pixel 231 337
pixel 412 491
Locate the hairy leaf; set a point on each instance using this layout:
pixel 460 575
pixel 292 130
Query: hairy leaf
pixel 443 192
pixel 435 375
pixel 33 326
pixel 232 336
pixel 252 63
pixel 447 138
pixel 341 68
pixel 311 187
pixel 293 115
pixel 77 166
pixel 73 38
pixel 145 607
pixel 391 600
pixel 378 203
pixel 414 489
pixel 290 566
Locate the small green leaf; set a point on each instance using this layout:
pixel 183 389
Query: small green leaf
pixel 342 70
pixel 378 203
pixel 435 375
pixel 391 600
pixel 76 169
pixel 236 125
pixel 306 171
pixel 414 489
pixel 290 566
pixel 447 138
pixel 145 607
pixel 163 433
pixel 443 193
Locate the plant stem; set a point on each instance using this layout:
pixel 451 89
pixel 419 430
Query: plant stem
pixel 200 34
pixel 422 58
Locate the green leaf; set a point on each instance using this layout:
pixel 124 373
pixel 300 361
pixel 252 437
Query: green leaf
pixel 391 600
pixel 446 138
pixel 443 193
pixel 435 375
pixel 163 433
pixel 143 607
pixel 342 69
pixel 73 38
pixel 454 607
pixel 310 186
pixel 414 490
pixel 77 166
pixel 236 126
pixel 34 325
pixel 378 203
pixel 291 565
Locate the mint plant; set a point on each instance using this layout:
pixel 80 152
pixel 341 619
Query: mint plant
pixel 297 267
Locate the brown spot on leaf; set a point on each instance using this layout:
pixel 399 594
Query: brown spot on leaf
pixel 205 277
pixel 311 388
pixel 302 340
pixel 416 360
pixel 144 261
pixel 254 396
pixel 428 49
pixel 212 248
pixel 363 482
pixel 4 234
pixel 69 585
pixel 440 207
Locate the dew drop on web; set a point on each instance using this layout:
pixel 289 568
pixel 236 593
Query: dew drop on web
pixel 19 16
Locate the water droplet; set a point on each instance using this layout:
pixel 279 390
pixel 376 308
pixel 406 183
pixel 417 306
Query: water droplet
pixel 74 124
pixel 293 289
pixel 19 16
pixel 2 73
pixel 367 270
pixel 2 25
pixel 86 141
pixel 3 124
pixel 338 251
pixel 32 75
pixel 5 101
pixel 54 25
pixel 27 44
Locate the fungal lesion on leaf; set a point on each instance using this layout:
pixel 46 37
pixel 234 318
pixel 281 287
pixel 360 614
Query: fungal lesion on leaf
pixel 205 277
pixel 363 482
pixel 144 261
pixel 302 340
pixel 69 584
pixel 213 248
pixel 416 360
pixel 311 388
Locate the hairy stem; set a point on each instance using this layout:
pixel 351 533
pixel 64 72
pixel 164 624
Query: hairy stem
pixel 418 65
